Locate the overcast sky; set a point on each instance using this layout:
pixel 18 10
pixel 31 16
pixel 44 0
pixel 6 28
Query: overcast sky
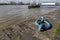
pixel 29 0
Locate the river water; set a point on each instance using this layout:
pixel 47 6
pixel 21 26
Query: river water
pixel 9 12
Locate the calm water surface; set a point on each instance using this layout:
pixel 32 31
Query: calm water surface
pixel 8 12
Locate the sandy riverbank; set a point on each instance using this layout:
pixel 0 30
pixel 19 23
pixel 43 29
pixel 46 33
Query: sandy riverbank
pixel 29 31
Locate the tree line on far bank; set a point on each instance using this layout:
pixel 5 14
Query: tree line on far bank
pixel 14 3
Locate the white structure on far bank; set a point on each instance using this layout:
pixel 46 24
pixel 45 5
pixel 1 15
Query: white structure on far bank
pixel 48 4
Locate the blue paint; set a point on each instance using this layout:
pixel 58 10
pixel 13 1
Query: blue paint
pixel 42 26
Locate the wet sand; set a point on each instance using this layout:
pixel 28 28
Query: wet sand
pixel 29 31
pixel 16 23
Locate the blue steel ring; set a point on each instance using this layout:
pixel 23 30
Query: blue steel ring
pixel 48 24
pixel 36 22
pixel 41 26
